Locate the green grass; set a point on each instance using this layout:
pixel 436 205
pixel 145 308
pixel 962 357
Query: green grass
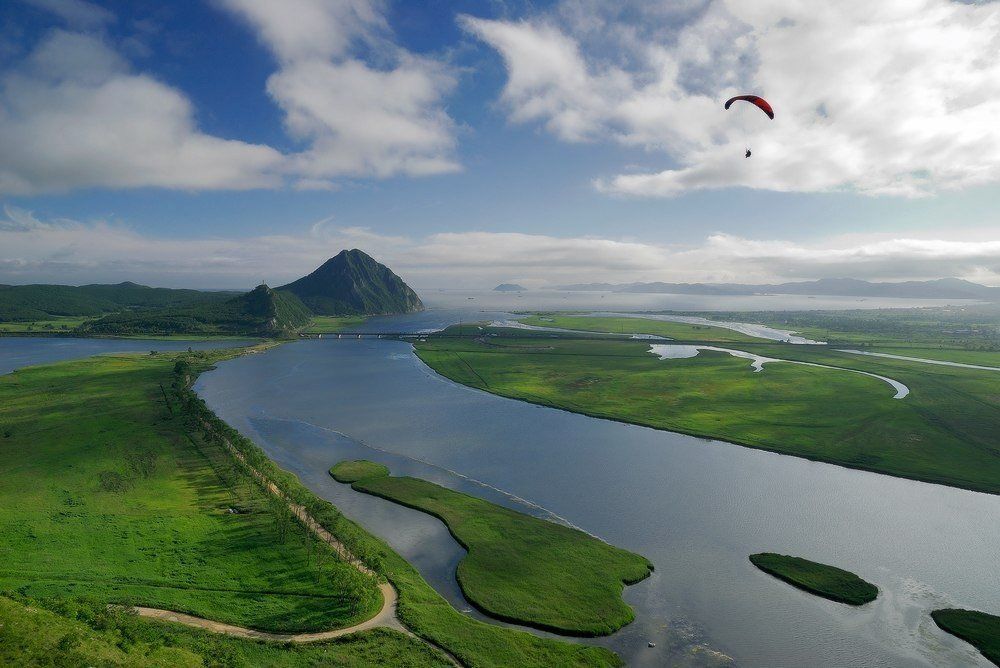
pixel 332 324
pixel 826 581
pixel 944 431
pixel 54 325
pixel 980 357
pixel 518 568
pixel 673 330
pixel 108 493
pixel 977 628
pixel 352 471
pixel 83 633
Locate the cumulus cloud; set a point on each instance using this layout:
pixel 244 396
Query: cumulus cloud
pixel 356 118
pixel 72 251
pixel 74 115
pixel 898 98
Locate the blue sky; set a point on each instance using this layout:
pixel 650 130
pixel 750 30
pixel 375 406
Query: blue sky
pixel 212 143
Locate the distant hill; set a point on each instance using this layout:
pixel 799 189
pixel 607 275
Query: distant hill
pixel 260 312
pixel 943 288
pixel 352 283
pixel 509 287
pixel 37 302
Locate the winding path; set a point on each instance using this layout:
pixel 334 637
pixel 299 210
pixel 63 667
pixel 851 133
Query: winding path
pixel 386 617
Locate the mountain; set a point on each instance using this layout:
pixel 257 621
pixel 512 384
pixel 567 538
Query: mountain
pixel 509 287
pixel 943 288
pixel 37 302
pixel 260 312
pixel 352 283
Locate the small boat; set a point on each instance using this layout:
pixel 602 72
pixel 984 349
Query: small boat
pixel 651 644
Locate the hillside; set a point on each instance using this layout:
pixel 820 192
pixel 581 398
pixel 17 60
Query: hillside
pixel 260 312
pixel 353 283
pixel 38 302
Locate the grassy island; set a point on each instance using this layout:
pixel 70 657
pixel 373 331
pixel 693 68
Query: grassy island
pixel 976 628
pixel 826 581
pixel 519 568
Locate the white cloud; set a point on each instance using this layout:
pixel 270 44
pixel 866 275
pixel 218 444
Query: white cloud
pixel 70 251
pixel 73 115
pixel 357 119
pixel 897 98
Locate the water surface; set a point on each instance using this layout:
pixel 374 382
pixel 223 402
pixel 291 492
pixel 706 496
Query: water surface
pixel 697 508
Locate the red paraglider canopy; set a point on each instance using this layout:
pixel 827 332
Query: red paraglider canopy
pixel 755 100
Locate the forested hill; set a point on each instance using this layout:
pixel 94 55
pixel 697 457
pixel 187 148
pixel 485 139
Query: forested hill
pixel 353 283
pixel 260 312
pixel 38 302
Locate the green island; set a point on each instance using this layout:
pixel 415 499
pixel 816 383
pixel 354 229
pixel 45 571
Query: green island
pixel 143 503
pixel 679 331
pixel 976 628
pixel 826 581
pixel 943 431
pixel 519 568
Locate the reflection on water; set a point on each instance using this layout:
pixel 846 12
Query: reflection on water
pixel 695 507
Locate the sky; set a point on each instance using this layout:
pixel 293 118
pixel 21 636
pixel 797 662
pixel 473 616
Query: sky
pixel 221 143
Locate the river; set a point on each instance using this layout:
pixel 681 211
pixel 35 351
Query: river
pixel 697 508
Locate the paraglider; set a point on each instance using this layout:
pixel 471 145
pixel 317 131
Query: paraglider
pixel 756 101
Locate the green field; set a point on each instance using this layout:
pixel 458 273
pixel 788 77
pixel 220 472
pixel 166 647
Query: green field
pixel 944 431
pixel 826 581
pixel 672 330
pixel 332 324
pixel 977 628
pixel 108 493
pixel 85 633
pixel 518 568
pixel 160 533
pixel 54 325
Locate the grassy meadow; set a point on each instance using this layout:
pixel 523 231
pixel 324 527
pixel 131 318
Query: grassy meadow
pixel 826 581
pixel 944 431
pixel 976 628
pixel 117 489
pixel 108 494
pixel 86 633
pixel 518 568
pixel 622 325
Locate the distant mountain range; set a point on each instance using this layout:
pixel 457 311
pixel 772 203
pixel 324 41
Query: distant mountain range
pixel 351 283
pixel 509 287
pixel 943 288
